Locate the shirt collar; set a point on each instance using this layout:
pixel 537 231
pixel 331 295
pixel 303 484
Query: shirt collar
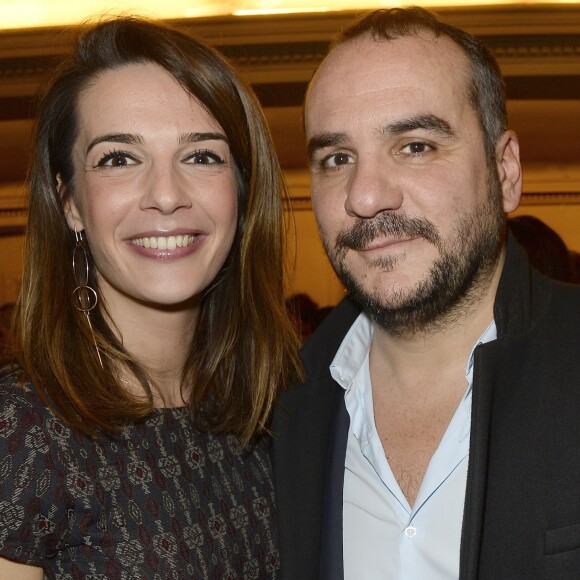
pixel 355 347
pixel 488 335
pixel 352 352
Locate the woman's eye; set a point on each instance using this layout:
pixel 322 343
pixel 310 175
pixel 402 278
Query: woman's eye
pixel 204 158
pixel 336 160
pixel 116 159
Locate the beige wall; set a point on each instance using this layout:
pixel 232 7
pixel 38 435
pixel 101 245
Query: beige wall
pixel 10 267
pixel 12 219
pixel 310 271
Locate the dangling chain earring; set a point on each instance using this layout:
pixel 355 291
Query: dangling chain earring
pixel 84 297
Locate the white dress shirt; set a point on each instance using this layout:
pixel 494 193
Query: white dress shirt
pixel 384 538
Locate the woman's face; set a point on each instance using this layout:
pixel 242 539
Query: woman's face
pixel 154 188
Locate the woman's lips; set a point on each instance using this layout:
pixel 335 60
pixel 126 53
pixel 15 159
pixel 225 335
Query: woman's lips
pixel 167 246
pixel 172 242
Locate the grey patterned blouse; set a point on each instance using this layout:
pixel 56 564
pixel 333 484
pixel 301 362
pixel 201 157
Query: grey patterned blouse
pixel 159 500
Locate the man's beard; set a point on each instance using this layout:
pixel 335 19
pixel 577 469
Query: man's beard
pixel 453 283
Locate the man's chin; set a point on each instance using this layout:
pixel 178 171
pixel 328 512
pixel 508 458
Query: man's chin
pixel 385 293
pixel 402 307
pixel 389 289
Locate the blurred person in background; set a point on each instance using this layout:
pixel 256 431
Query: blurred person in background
pixel 546 250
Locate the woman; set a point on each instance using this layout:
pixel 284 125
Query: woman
pixel 151 329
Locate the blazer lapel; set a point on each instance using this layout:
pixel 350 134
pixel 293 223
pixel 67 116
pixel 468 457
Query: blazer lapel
pixel 331 555
pixel 483 388
pixel 301 431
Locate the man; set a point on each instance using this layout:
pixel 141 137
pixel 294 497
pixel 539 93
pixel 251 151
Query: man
pixel 438 433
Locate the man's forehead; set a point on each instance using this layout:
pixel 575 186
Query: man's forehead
pixel 410 65
pixel 364 53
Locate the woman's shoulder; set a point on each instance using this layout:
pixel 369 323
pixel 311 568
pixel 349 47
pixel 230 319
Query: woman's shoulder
pixel 10 378
pixel 20 399
pixel 27 470
pixel 27 425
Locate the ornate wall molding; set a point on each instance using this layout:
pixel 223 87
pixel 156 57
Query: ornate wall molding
pixel 287 48
pixel 13 209
pixel 551 198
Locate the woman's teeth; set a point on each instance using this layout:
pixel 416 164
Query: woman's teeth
pixel 164 242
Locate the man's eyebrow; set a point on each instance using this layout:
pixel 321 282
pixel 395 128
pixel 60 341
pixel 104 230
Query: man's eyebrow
pixel 325 140
pixel 426 122
pixel 197 137
pixel 129 138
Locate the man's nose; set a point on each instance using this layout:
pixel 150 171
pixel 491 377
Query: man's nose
pixel 165 191
pixel 373 189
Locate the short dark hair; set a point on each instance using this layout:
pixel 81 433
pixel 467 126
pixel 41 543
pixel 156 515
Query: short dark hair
pixel 244 346
pixel 486 88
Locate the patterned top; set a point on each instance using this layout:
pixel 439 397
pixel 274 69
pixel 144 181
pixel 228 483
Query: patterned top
pixel 160 500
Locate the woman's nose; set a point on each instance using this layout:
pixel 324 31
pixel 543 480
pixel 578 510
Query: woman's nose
pixel 165 192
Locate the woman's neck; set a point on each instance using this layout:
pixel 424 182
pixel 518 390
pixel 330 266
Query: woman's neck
pixel 160 339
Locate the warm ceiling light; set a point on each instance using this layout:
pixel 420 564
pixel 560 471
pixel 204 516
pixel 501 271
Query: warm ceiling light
pixel 32 13
pixel 249 7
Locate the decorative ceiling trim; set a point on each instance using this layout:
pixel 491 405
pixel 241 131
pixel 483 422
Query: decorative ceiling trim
pixel 13 209
pixel 554 198
pixel 12 222
pixel 287 48
pixel 257 59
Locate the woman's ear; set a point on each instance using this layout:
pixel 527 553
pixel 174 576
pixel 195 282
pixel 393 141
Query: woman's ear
pixel 71 210
pixel 509 169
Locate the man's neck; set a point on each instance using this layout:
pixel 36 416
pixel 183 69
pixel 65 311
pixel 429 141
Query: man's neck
pixel 440 346
pixel 417 383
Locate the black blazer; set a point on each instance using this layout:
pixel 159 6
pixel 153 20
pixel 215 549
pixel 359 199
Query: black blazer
pixel 522 508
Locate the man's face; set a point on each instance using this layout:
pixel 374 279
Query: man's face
pixel 409 211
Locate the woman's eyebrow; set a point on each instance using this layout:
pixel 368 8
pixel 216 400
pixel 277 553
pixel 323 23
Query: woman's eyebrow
pixel 129 138
pixel 197 137
pixel 136 139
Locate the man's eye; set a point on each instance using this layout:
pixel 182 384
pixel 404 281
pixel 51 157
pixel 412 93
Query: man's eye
pixel 336 160
pixel 116 159
pixel 416 148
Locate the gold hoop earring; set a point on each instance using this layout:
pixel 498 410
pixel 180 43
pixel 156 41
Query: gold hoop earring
pixel 84 296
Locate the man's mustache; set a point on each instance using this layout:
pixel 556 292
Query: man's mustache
pixel 385 224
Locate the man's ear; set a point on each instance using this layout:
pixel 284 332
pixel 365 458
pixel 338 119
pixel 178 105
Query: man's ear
pixel 509 169
pixel 71 210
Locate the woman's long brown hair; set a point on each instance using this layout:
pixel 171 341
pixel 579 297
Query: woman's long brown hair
pixel 244 348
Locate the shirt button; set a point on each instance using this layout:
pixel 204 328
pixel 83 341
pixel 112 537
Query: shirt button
pixel 410 532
